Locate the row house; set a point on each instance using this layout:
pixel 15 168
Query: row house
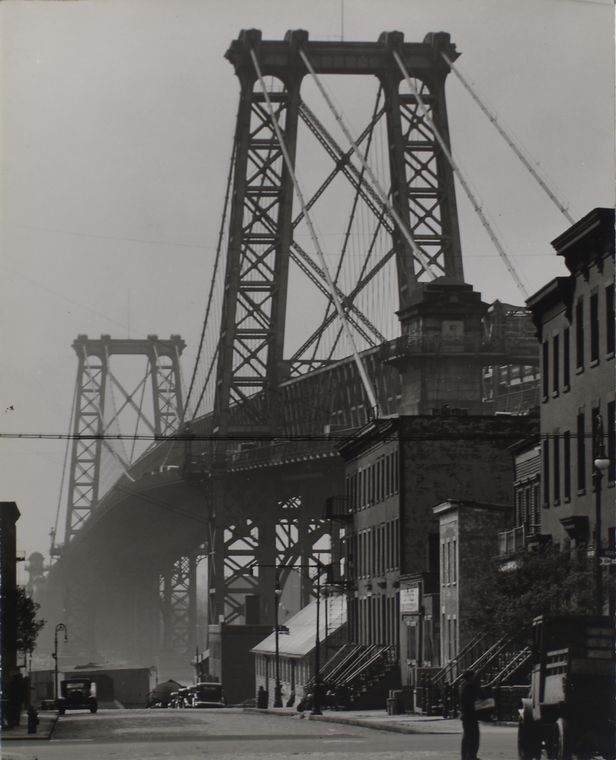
pixel 574 316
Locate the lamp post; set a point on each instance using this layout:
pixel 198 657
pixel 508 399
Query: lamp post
pixel 316 697
pixel 59 627
pixel 277 688
pixel 600 465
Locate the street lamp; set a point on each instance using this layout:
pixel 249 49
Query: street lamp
pixel 316 696
pixel 277 688
pixel 601 464
pixel 59 627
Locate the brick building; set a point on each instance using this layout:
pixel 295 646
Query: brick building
pixel 397 470
pixel 574 316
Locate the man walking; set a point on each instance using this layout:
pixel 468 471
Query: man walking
pixel 470 691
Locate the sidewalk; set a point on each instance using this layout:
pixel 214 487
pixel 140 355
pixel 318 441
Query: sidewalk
pixel 379 719
pixel 44 730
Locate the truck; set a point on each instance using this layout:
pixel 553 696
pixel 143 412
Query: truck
pixel 569 711
pixel 77 694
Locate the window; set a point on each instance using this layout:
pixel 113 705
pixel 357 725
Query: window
pixel 611 411
pixel 609 319
pixel 581 453
pixel 555 364
pixel 566 360
pixel 556 459
pixel 544 368
pixel 579 334
pixel 594 327
pixel 454 561
pixel 443 578
pixel 546 473
pixel 394 457
pixel 567 465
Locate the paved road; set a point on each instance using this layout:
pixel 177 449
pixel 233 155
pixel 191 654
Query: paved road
pixel 234 735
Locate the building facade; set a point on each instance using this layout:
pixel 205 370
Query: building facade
pixel 574 316
pixel 397 470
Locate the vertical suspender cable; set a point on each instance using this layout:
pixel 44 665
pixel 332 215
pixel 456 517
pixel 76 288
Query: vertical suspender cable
pixel 561 207
pixel 460 176
pixel 381 192
pixel 334 294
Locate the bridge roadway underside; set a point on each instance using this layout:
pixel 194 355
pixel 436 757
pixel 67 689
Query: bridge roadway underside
pixel 113 566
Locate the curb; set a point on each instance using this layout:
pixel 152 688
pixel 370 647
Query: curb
pixel 47 724
pixel 360 722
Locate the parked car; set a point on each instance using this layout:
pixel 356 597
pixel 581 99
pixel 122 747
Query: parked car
pixel 206 694
pixel 77 694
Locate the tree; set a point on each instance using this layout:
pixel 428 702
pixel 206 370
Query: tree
pixel 506 598
pixel 28 626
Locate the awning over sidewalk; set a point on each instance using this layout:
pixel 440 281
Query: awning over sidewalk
pixel 301 638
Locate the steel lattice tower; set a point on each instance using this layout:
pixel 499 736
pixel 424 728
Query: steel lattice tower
pixel 251 364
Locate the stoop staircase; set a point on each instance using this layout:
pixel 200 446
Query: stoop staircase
pixel 499 663
pixel 359 675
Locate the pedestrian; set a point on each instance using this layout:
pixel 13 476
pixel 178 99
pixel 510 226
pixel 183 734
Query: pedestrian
pixel 470 692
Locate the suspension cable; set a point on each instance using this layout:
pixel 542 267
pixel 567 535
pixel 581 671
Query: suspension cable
pixel 333 290
pixel 542 183
pixel 221 231
pixel 471 196
pixel 64 463
pixel 426 263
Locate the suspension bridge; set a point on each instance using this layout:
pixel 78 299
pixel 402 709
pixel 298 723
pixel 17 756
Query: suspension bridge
pixel 338 248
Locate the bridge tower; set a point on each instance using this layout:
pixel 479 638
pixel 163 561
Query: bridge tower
pixel 102 402
pixel 251 361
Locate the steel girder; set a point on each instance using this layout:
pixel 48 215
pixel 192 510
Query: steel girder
pixel 246 549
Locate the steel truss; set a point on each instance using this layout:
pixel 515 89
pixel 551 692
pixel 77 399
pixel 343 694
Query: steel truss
pixel 246 551
pixel 97 414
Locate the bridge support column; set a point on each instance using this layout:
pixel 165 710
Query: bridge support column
pixel 178 586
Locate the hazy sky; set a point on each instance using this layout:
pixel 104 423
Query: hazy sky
pixel 117 122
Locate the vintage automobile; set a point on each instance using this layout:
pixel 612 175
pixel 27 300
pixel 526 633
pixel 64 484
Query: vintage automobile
pixel 570 708
pixel 206 694
pixel 77 694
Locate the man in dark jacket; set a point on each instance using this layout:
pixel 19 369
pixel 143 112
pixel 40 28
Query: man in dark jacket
pixel 470 691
